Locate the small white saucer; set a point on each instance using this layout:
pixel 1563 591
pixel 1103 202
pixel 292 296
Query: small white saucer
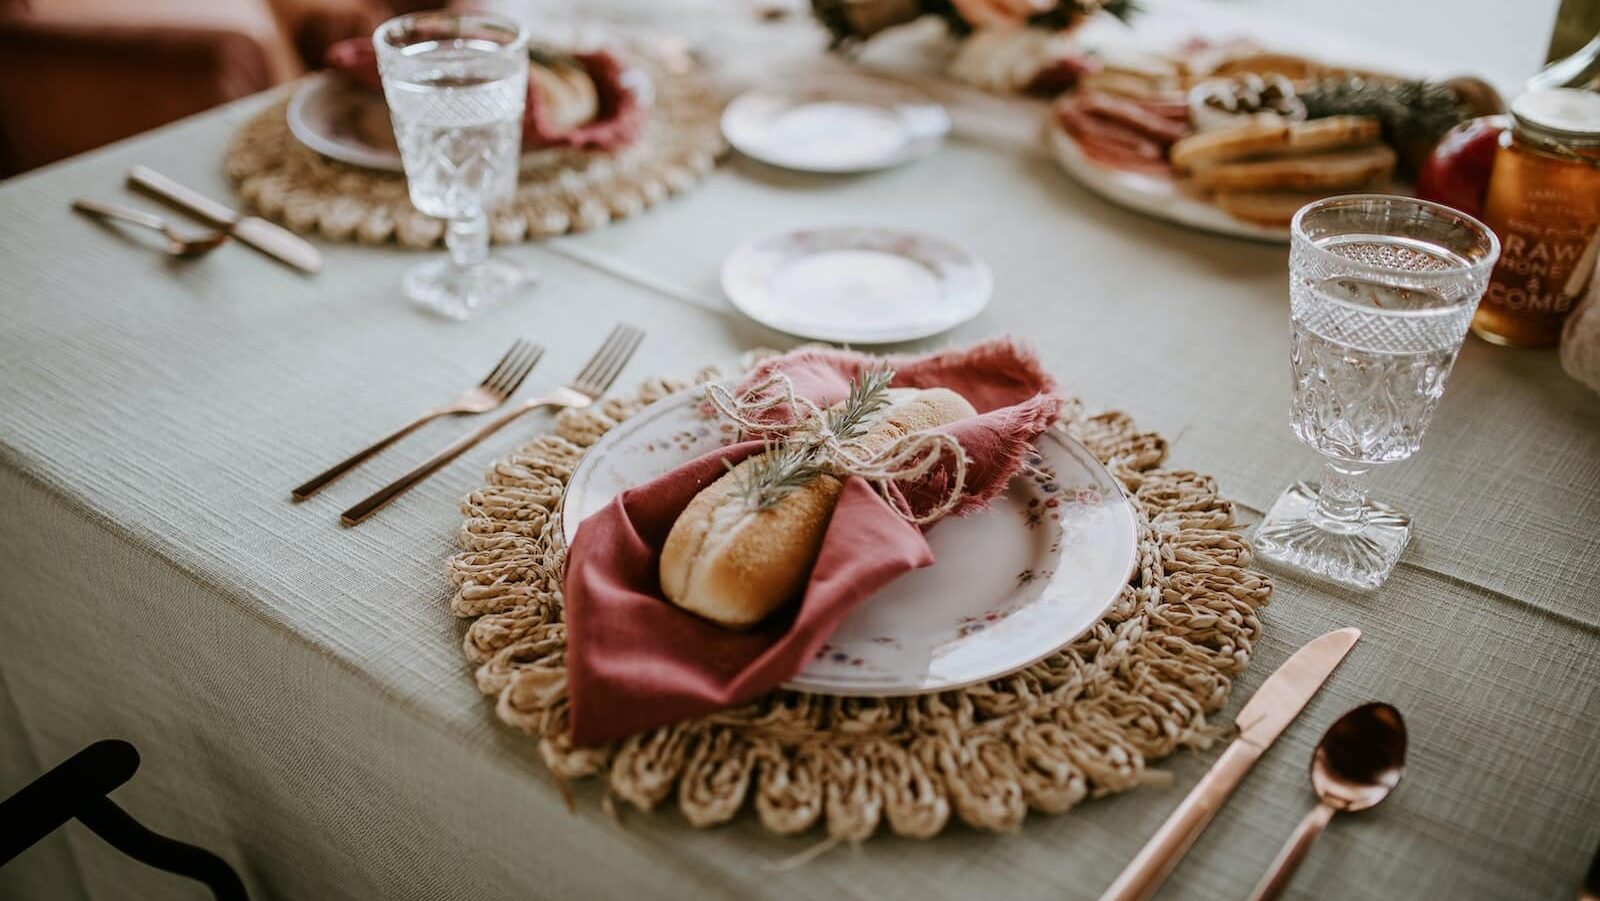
pixel 836 125
pixel 857 285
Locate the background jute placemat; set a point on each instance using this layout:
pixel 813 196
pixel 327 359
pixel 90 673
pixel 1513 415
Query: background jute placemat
pixel 1084 722
pixel 567 191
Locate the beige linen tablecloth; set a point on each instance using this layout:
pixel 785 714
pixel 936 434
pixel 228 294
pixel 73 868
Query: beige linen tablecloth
pixel 297 691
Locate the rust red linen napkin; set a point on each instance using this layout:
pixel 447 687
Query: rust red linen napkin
pixel 635 661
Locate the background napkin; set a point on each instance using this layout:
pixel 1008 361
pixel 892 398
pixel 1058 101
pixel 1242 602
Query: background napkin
pixel 636 661
pixel 1580 338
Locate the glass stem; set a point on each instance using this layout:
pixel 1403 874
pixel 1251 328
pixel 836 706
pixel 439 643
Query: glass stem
pixel 468 240
pixel 1342 500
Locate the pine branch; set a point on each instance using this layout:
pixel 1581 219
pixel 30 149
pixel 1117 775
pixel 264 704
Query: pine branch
pixel 1405 108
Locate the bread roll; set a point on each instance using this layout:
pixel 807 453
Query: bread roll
pixel 568 93
pixel 734 565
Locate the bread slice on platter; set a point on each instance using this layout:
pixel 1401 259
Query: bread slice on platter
pixel 1248 140
pixel 1275 209
pixel 734 564
pixel 1313 172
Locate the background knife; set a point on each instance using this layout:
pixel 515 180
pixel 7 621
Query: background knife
pixel 273 240
pixel 1274 705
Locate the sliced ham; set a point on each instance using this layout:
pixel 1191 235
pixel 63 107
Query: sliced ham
pixel 1111 143
pixel 1123 132
pixel 1144 117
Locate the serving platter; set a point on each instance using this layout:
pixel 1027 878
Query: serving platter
pixel 1011 585
pixel 1153 195
pixel 856 285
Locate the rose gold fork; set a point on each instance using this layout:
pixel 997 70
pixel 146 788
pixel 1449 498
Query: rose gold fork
pixel 584 389
pixel 495 389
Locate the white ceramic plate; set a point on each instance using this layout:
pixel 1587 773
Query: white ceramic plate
pixel 323 115
pixel 1153 195
pixel 835 125
pixel 857 285
pixel 1011 585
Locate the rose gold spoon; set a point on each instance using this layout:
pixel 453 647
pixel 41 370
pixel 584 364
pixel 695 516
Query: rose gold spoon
pixel 1358 762
pixel 178 244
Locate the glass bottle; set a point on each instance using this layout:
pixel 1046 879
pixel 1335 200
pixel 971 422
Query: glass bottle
pixel 1581 70
pixel 1544 204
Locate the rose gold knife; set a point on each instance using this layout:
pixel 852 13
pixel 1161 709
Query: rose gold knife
pixel 273 240
pixel 1274 705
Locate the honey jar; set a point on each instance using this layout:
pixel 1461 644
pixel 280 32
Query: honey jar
pixel 1544 204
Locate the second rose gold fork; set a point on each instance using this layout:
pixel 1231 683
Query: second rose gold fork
pixel 495 389
pixel 584 389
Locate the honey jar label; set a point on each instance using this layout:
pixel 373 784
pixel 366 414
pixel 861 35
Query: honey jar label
pixel 1545 262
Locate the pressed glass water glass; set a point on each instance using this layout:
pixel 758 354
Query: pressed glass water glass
pixel 1382 289
pixel 456 84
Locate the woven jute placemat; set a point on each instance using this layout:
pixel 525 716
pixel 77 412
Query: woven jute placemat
pixel 567 191
pixel 1082 723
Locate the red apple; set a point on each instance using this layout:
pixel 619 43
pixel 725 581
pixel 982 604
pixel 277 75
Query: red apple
pixel 1457 173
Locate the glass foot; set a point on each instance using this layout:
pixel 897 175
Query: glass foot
pixel 456 292
pixel 1358 554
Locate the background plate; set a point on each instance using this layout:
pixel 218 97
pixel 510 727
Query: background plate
pixel 323 112
pixel 857 285
pixel 836 125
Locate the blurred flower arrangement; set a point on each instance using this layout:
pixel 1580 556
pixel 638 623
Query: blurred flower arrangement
pixel 853 21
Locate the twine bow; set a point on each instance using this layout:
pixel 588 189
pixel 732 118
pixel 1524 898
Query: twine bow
pixel 907 459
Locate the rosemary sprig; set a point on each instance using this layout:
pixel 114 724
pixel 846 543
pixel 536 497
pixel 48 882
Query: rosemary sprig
pixel 783 468
pixel 786 466
pixel 869 393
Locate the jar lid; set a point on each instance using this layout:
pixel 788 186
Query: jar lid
pixel 1560 115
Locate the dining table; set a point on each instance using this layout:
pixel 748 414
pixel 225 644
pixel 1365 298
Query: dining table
pixel 296 688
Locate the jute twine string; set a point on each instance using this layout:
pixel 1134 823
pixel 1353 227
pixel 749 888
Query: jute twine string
pixel 1083 723
pixel 566 191
pixel 907 459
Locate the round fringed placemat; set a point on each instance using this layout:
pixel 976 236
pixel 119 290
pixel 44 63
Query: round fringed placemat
pixel 1082 723
pixel 568 191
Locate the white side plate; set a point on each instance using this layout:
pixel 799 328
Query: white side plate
pixel 835 125
pixel 857 285
pixel 1011 585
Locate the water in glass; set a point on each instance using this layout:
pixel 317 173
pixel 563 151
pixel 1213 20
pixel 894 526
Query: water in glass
pixel 456 84
pixel 1367 381
pixel 1382 290
pixel 459 135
